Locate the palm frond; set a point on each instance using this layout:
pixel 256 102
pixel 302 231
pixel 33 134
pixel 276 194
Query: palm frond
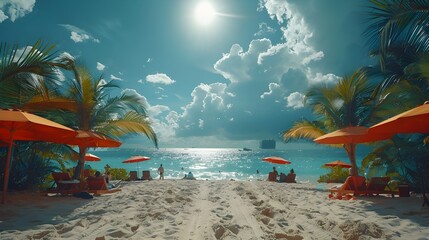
pixel 303 130
pixel 131 123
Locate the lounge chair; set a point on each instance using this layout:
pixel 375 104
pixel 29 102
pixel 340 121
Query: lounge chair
pixel 378 185
pixel 86 173
pixel 133 176
pixel 98 185
pixel 146 175
pixel 352 185
pixel 65 185
pixel 272 177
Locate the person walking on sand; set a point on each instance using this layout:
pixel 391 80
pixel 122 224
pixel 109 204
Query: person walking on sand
pixel 161 172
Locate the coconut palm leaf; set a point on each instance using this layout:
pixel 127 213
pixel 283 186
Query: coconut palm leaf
pixel 303 129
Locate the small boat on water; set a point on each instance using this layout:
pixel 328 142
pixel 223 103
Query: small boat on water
pixel 245 149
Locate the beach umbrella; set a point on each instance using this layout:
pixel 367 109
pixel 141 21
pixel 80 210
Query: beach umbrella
pixel 19 125
pixel 91 158
pixel 85 139
pixel 349 137
pixel 356 134
pixel 415 120
pixel 338 163
pixel 136 159
pixel 276 160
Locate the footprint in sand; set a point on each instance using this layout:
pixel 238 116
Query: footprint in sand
pixel 117 234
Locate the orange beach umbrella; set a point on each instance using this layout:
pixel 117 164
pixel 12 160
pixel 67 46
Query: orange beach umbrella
pixel 276 160
pixel 415 120
pixel 86 139
pixel 338 163
pixel 356 134
pixel 19 125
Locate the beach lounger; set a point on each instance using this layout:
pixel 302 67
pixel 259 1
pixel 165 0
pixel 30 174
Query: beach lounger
pixel 65 185
pixel 378 185
pixel 86 173
pixel 98 185
pixel 352 185
pixel 133 176
pixel 146 175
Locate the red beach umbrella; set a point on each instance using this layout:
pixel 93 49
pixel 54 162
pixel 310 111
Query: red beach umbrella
pixel 338 163
pixel 276 160
pixel 136 159
pixel 19 125
pixel 91 158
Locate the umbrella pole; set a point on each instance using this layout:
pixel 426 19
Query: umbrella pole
pixel 6 174
pixel 138 169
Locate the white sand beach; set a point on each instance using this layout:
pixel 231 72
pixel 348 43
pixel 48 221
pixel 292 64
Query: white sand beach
pixel 185 209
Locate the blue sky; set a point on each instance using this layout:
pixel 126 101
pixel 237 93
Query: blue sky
pixel 229 78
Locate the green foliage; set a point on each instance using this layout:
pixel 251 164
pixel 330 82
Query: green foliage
pixel 119 173
pixel 337 175
pixel 28 168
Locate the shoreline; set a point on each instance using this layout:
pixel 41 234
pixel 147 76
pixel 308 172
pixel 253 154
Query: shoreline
pixel 213 209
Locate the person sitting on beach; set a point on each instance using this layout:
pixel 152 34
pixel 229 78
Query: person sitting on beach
pixel 109 185
pixel 282 177
pixel 290 178
pixel 107 174
pixel 190 176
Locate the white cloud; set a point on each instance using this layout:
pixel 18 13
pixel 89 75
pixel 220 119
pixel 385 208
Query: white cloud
pixel 79 35
pixel 113 77
pixel 318 78
pixel 15 9
pixel 3 16
pixel 100 66
pixel 273 87
pixel 76 37
pixel 264 29
pixel 157 110
pixel 295 100
pixel 160 78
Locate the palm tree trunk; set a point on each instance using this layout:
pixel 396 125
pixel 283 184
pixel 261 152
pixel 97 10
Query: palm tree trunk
pixel 81 163
pixel 351 152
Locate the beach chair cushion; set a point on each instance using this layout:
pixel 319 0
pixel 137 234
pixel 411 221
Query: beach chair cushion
pixel 98 185
pixel 133 175
pixel 146 175
pixel 64 184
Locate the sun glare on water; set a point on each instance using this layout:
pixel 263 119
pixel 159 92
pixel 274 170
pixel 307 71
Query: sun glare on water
pixel 204 13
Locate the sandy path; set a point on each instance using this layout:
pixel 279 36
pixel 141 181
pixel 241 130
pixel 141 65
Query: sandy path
pixel 224 210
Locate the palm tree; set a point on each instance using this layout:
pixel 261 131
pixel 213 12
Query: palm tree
pixel 347 103
pixel 397 21
pixel 85 104
pixel 26 71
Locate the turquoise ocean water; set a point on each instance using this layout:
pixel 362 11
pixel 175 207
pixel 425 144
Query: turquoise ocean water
pixel 222 163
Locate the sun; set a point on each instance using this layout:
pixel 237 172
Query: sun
pixel 204 13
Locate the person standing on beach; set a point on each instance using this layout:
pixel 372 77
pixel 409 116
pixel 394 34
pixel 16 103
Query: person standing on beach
pixel 161 172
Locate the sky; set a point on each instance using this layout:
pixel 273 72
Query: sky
pixel 214 73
